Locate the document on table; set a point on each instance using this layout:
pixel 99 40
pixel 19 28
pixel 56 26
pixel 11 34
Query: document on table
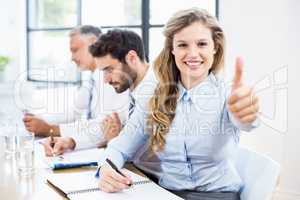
pixel 75 157
pixel 84 186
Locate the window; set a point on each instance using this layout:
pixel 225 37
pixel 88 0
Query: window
pixel 49 22
pixel 158 18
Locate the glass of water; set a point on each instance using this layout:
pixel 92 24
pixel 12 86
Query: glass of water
pixel 25 154
pixel 10 142
pixel 10 139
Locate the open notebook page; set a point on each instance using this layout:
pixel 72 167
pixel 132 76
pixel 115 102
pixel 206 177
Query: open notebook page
pixel 85 181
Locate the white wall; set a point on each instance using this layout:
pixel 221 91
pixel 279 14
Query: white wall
pixel 12 44
pixel 15 92
pixel 266 34
pixel 12 36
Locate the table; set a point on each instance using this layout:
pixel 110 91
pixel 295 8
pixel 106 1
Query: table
pixel 14 187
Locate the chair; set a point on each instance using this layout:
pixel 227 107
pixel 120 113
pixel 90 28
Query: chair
pixel 259 174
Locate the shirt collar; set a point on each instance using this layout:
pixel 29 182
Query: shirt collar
pixel 206 88
pixel 97 75
pixel 147 82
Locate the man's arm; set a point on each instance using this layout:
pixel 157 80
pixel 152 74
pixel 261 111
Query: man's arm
pixel 40 127
pixel 78 141
pixel 85 133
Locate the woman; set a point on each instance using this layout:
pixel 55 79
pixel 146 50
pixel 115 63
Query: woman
pixel 191 130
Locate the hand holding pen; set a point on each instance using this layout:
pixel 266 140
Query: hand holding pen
pixel 112 179
pixel 58 145
pixel 116 169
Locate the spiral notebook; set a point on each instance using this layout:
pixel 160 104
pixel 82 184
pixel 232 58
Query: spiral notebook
pixel 84 186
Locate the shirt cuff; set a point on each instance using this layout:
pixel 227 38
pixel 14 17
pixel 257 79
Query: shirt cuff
pixel 86 133
pixel 67 130
pixel 83 142
pixel 115 156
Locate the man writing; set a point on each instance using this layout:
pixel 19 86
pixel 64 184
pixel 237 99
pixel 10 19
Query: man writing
pixel 92 99
pixel 120 54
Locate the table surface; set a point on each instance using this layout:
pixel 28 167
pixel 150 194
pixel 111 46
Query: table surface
pixel 15 187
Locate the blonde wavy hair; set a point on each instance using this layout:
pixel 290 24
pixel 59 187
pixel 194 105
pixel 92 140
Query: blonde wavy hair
pixel 164 101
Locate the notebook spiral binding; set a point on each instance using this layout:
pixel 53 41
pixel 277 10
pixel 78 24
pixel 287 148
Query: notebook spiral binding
pixel 141 182
pixel 97 189
pixel 83 191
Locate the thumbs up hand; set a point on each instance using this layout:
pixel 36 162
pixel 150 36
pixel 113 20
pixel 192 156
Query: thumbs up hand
pixel 242 102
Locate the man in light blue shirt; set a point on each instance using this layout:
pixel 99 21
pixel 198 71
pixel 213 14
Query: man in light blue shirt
pixel 125 68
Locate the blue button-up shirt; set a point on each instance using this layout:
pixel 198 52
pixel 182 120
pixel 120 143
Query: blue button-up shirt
pixel 200 144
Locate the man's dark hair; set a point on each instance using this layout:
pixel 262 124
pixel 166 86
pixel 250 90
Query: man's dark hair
pixel 86 30
pixel 118 43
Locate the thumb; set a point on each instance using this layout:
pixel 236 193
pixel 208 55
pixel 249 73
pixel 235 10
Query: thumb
pixel 237 79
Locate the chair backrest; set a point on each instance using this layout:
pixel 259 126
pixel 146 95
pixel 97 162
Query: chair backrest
pixel 259 174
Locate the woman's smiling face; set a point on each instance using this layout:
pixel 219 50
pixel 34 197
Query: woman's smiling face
pixel 193 49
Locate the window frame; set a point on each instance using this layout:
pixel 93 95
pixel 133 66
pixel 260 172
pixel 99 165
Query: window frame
pixel 145 27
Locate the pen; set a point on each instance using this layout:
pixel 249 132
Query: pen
pixel 52 143
pixel 51 133
pixel 115 168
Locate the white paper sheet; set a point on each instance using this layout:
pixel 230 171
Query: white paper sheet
pixel 87 155
pixel 85 180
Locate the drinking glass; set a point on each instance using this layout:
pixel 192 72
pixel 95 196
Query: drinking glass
pixel 25 154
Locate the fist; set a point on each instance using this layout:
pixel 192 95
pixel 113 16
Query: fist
pixel 111 126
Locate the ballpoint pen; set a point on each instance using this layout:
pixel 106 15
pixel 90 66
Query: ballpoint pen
pixel 52 143
pixel 116 169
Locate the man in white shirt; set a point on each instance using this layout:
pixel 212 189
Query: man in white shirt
pixel 93 100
